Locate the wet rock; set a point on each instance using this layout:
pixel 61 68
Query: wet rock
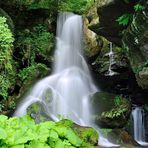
pixel 108 12
pixel 93 43
pixel 109 109
pixel 116 61
pixel 135 41
pixel 120 137
pixel 37 112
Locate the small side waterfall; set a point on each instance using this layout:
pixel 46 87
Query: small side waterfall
pixel 111 60
pixel 138 125
pixel 66 92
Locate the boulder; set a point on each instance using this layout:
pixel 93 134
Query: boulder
pixel 108 12
pixel 109 109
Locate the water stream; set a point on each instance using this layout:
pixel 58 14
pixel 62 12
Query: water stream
pixel 111 60
pixel 138 124
pixel 66 91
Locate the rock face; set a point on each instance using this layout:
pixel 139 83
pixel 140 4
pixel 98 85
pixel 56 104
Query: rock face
pixel 108 13
pixel 109 109
pixel 121 137
pixel 92 42
pixel 136 42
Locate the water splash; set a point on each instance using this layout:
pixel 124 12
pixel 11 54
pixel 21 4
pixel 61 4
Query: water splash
pixel 66 92
pixel 139 129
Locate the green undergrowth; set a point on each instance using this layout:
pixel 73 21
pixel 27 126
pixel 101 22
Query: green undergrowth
pixel 23 132
pixel 7 70
pixel 76 6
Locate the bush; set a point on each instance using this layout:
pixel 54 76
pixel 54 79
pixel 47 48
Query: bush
pixel 7 70
pixel 24 133
pixel 36 44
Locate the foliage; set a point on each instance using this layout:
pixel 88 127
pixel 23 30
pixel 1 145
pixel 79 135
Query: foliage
pixel 146 107
pixel 141 67
pixel 118 111
pixel 114 113
pixel 28 72
pixel 127 18
pixel 34 4
pixel 24 133
pixel 7 71
pixel 33 44
pixel 79 6
pixel 118 100
pixel 138 7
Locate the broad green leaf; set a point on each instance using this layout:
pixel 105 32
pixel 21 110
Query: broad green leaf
pixel 18 146
pixel 3 118
pixel 59 144
pixel 3 133
pixel 73 138
pixel 37 144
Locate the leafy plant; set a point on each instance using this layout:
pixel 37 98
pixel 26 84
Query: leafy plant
pixel 127 18
pixel 33 44
pixel 7 70
pixel 146 107
pixel 30 71
pixel 118 100
pixel 24 133
pixel 138 7
pixel 114 113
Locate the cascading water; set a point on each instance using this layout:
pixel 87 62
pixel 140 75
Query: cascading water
pixel 139 130
pixel 66 92
pixel 111 60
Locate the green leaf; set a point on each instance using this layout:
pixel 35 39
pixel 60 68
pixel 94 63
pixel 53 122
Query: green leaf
pixel 18 146
pixel 3 133
pixel 59 144
pixel 37 144
pixel 125 19
pixel 138 7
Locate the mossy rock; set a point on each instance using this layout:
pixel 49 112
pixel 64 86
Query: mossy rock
pixel 88 134
pixel 37 112
pixel 109 109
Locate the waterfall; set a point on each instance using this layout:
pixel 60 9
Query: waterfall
pixel 111 60
pixel 138 124
pixel 66 92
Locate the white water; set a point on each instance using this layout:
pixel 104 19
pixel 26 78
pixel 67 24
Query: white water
pixel 66 92
pixel 111 60
pixel 139 130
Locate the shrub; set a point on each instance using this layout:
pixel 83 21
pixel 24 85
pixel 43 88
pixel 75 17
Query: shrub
pixel 24 133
